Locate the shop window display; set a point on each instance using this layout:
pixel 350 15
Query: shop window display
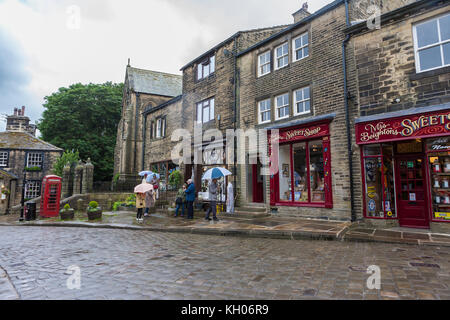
pixel 285 173
pixel 316 171
pixel 301 191
pixel 379 181
pixel 439 165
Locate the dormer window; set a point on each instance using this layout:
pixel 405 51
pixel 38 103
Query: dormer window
pixel 206 68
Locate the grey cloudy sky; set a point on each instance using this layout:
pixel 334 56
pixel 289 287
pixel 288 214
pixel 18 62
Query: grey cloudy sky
pixel 40 52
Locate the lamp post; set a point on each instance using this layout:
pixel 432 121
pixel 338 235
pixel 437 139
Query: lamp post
pixel 22 211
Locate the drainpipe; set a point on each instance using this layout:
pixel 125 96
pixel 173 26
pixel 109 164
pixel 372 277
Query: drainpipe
pixel 144 141
pixel 347 115
pixel 235 108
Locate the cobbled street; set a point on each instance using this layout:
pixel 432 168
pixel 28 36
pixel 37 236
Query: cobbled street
pixel 123 264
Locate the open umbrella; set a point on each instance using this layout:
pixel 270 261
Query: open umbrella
pixel 150 177
pixel 143 188
pixel 216 173
pixel 143 173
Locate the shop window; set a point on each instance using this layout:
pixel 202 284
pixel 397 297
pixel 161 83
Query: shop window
pixel 379 178
pixel 302 172
pixel 439 164
pixel 316 171
pixel 301 192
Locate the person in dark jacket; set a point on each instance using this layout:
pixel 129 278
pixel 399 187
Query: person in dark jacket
pixel 190 198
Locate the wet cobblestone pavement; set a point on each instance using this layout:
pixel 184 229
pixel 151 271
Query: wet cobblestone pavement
pixel 127 264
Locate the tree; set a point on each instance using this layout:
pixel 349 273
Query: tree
pixel 70 157
pixel 85 118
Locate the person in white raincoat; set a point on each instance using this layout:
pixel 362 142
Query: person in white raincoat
pixel 230 198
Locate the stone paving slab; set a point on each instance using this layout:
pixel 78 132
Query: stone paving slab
pixel 7 290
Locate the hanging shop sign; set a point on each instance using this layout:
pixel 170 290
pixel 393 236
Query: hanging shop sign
pixel 404 128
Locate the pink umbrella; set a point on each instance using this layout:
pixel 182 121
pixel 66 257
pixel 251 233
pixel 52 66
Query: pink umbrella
pixel 143 188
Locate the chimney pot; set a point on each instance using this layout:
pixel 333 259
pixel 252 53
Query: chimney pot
pixel 23 110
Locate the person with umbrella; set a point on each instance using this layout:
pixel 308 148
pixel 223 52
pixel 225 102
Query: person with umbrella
pixel 141 191
pixel 213 189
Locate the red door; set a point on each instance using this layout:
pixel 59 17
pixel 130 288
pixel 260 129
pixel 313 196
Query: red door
pixel 258 183
pixel 411 192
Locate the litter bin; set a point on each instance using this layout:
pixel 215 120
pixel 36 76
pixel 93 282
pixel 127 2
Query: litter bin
pixel 30 213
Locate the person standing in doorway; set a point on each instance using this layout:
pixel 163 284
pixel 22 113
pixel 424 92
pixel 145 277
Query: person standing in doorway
pixel 190 198
pixel 213 189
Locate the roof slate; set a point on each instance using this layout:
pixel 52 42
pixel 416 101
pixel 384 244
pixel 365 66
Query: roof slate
pixel 24 141
pixel 153 82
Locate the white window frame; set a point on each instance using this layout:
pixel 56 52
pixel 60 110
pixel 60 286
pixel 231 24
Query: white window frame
pixel 4 157
pixel 440 43
pixel 277 67
pixel 31 159
pixel 294 49
pixel 277 107
pixel 260 112
pixel 269 63
pixel 208 103
pixel 207 67
pixel 159 128
pixel 294 99
pixel 32 189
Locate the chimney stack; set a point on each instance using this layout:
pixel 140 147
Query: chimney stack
pixel 302 13
pixel 23 111
pixel 15 111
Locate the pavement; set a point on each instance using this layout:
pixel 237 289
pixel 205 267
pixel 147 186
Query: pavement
pixel 128 264
pixel 269 227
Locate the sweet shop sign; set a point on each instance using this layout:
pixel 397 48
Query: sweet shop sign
pixel 404 128
pixel 303 133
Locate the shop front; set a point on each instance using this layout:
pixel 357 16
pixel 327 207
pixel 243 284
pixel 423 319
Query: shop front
pixel 405 161
pixel 301 166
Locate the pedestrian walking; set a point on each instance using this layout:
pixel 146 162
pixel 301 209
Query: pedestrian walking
pixel 213 190
pixel 190 198
pixel 181 201
pixel 230 198
pixel 140 205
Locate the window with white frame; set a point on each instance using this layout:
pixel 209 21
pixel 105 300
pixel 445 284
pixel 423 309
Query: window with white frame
pixel 32 189
pixel 161 127
pixel 282 56
pixel 34 159
pixel 205 111
pixel 282 107
pixel 264 111
pixel 264 62
pixel 300 46
pixel 302 101
pixel 4 158
pixel 206 68
pixel 432 43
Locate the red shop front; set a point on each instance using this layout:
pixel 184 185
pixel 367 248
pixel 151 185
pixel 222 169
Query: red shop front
pixel 405 163
pixel 301 166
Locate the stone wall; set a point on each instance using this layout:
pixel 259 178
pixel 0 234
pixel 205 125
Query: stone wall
pixel 322 71
pixel 361 9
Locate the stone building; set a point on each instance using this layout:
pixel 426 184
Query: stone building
pixel 21 153
pixel 143 89
pixel 209 102
pixel 400 79
pixel 293 82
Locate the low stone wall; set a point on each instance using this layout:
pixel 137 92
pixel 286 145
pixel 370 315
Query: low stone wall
pixel 81 201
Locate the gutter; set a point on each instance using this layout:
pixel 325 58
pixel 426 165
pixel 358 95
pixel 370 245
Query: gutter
pixel 347 116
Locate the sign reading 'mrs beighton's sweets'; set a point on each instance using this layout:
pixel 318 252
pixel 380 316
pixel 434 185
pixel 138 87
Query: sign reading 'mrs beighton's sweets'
pixel 404 128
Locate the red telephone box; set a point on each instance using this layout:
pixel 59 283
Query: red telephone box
pixel 51 196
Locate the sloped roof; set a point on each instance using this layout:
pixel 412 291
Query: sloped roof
pixel 24 141
pixel 153 82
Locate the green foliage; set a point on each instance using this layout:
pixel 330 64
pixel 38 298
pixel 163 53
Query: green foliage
pixel 131 198
pixel 175 179
pixel 116 178
pixel 33 169
pixel 116 205
pixel 85 118
pixel 67 207
pixel 93 204
pixel 67 157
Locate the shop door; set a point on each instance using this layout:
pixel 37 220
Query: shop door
pixel 411 192
pixel 258 183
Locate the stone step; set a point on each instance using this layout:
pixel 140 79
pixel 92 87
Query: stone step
pixel 246 214
pixel 250 209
